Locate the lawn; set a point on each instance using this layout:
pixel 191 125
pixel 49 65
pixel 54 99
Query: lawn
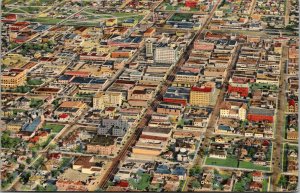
pixel 34 82
pixel 265 185
pixel 85 95
pixel 15 111
pixel 54 128
pixel 229 162
pixel 142 183
pixel 45 20
pixel 286 148
pixel 64 163
pixel 170 7
pixel 263 86
pixel 22 89
pixel 181 16
pixel 35 103
pixel 30 9
pixel 249 165
pixel 16 11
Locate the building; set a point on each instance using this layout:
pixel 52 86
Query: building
pixel 235 110
pixel 73 180
pixel 114 126
pixel 103 145
pixel 177 95
pixel 187 77
pixel 149 48
pixel 87 165
pixel 191 3
pixel 201 96
pixel 111 22
pixel 108 98
pixel 167 54
pixel 292 106
pixel 257 114
pixel 13 78
pixel 70 108
pixel 240 88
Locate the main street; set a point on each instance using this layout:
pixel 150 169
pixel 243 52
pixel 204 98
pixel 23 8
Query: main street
pixel 152 107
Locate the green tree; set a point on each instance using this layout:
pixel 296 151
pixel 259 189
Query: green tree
pixel 239 187
pixel 192 172
pixel 195 184
pixel 28 160
pixel 283 181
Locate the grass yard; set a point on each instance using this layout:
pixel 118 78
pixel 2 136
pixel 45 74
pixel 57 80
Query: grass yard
pixel 142 183
pixel 34 82
pixel 35 103
pixel 263 86
pixel 45 20
pixel 229 162
pixel 265 185
pixel 286 148
pixel 249 165
pixel 54 128
pixel 16 11
pixel 181 16
pixel 30 9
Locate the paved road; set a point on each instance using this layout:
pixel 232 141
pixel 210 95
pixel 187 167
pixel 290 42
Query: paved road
pixel 214 115
pixel 279 125
pixel 152 107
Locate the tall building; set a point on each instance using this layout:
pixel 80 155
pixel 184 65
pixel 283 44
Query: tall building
pixel 149 48
pixel 106 99
pixel 115 126
pixel 13 78
pixel 167 54
pixel 201 96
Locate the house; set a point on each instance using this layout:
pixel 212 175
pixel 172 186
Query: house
pixel 257 176
pixel 293 179
pixel 111 22
pixel 22 102
pixel 292 135
pixel 292 106
pixel 219 154
pixel 255 186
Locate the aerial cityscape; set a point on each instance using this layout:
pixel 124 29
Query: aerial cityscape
pixel 149 95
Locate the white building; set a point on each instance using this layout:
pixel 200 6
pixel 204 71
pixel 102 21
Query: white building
pixel 167 54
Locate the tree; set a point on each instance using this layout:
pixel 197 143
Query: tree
pixel 21 167
pixel 25 177
pixel 192 172
pixel 197 169
pixel 28 160
pixel 282 181
pixel 54 173
pixel 239 187
pixel 195 184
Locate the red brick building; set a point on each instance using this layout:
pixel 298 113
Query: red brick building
pixel 257 114
pixel 181 101
pixel 191 3
pixel 242 89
